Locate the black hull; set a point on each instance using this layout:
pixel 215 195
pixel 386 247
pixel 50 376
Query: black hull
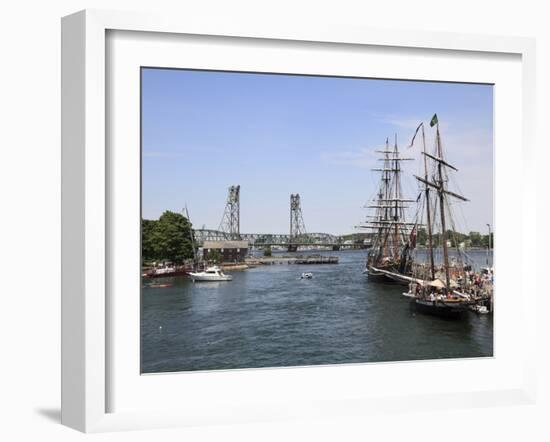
pixel 378 277
pixel 441 309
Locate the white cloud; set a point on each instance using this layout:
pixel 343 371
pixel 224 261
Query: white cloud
pixel 409 122
pixel 363 158
pixel 405 123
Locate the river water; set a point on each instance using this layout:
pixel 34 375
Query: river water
pixel 269 317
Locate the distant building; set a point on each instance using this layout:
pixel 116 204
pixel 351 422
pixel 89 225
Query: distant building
pixel 231 251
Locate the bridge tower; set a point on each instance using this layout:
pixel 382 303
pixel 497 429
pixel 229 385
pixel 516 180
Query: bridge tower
pixel 230 223
pixel 297 226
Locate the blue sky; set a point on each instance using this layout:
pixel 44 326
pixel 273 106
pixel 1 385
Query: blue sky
pixel 281 134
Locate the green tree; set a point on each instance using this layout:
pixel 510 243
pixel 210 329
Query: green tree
pixel 169 238
pixel 147 245
pixel 456 238
pixel 214 256
pixel 475 239
pixel 422 236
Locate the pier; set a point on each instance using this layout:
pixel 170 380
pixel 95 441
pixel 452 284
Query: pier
pixel 309 259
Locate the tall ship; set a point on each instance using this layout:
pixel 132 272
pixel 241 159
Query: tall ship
pixel 441 283
pixel 392 238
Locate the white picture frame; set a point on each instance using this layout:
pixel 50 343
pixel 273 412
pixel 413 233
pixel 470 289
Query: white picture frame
pixel 86 203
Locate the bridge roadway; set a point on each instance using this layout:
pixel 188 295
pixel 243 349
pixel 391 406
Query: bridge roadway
pixel 266 239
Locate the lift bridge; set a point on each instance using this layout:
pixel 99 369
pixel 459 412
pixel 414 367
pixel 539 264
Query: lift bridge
pixel 229 228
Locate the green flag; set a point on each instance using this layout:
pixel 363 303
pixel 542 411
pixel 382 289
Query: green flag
pixel 434 121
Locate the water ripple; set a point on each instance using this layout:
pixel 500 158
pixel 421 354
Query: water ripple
pixel 268 317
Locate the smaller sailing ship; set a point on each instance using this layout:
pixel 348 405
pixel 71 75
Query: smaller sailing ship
pixel 442 289
pixel 393 239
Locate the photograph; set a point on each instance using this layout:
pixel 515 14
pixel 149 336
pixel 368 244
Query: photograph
pixel 275 221
pixel 292 220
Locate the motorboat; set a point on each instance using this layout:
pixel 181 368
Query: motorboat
pixel 210 274
pixel 307 275
pixel 164 269
pixel 480 309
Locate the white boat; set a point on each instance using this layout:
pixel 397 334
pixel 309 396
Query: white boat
pixel 210 274
pixel 307 275
pixel 480 309
pixel 164 270
pixel 159 269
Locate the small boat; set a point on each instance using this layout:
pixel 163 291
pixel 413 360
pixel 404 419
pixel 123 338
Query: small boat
pixel 157 286
pixel 166 269
pixel 307 275
pixel 480 309
pixel 210 274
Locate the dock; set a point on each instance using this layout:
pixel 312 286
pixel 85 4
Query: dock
pixel 309 259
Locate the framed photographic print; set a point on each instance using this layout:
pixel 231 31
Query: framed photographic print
pixel 280 278
pixel 263 223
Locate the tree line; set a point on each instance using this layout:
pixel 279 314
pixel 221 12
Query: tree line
pixel 170 238
pixel 472 239
pixel 167 239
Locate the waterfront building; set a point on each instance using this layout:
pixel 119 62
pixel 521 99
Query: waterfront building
pixel 230 251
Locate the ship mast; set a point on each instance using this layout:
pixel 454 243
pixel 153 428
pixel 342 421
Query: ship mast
pixel 442 209
pixel 429 215
pixel 192 238
pixel 388 220
pixel 438 183
pixel 381 218
pixel 396 216
pixel 386 179
pixel 390 204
